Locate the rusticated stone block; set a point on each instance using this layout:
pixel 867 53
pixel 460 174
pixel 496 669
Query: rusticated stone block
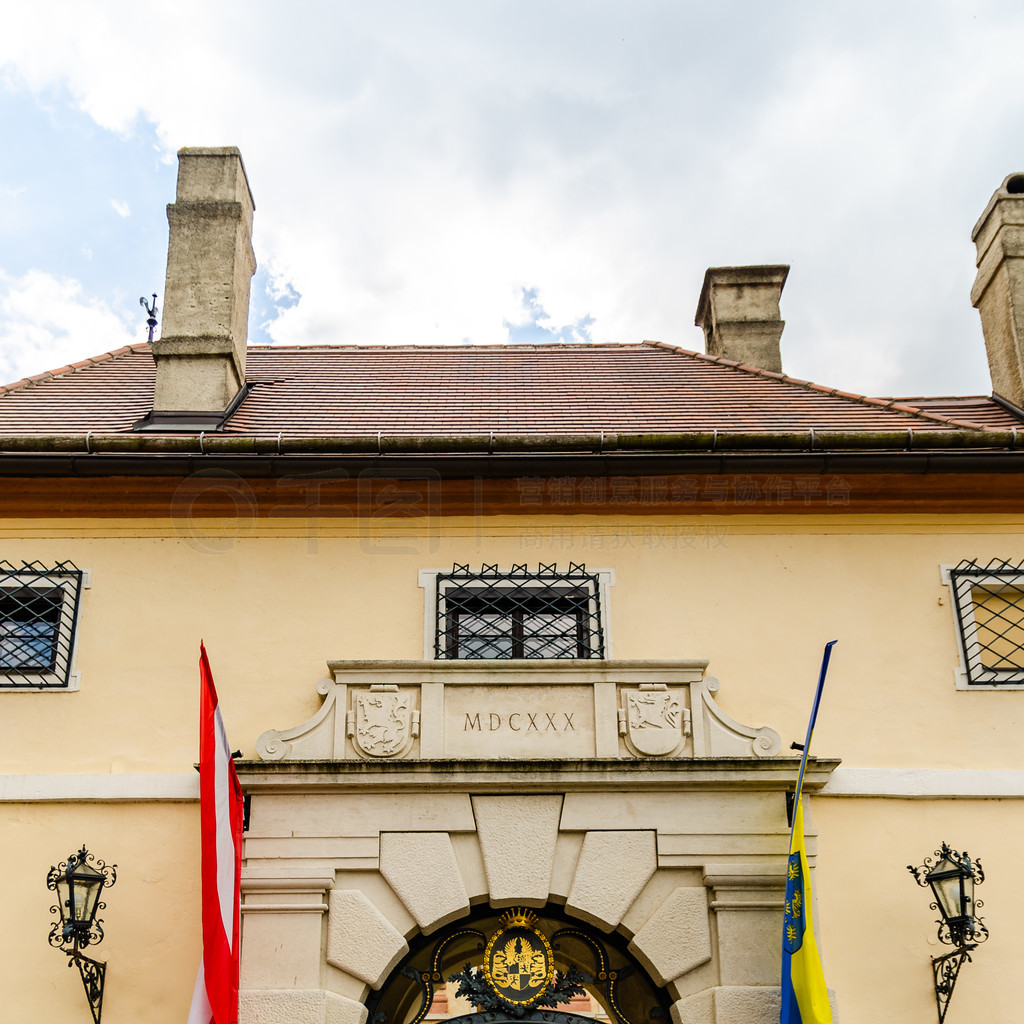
pixel 297 1006
pixel 612 870
pixel 677 937
pixel 421 868
pixel 360 939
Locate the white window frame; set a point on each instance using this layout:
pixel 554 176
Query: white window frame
pixel 428 581
pixel 67 678
pixel 963 611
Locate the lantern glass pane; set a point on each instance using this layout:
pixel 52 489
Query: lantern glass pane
pixel 968 887
pixel 87 882
pixel 947 890
pixel 63 896
pixel 87 892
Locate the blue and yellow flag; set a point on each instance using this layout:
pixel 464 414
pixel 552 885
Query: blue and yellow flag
pixel 804 997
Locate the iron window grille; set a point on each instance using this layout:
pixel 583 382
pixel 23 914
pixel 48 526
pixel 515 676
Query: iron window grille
pixel 38 618
pixel 518 613
pixel 989 605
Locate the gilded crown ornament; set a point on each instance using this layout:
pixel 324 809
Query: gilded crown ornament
pixel 518 917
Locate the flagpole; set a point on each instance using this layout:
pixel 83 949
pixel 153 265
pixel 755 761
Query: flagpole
pixel 814 715
pixel 803 995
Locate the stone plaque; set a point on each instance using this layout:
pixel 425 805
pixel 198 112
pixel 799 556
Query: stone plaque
pixel 519 721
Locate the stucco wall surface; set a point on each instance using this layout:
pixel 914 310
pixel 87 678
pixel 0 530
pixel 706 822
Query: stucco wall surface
pixel 757 596
pixel 153 935
pixel 877 933
pixel 274 601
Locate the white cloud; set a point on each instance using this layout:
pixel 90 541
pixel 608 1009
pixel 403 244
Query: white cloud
pixel 121 208
pixel 414 164
pixel 47 322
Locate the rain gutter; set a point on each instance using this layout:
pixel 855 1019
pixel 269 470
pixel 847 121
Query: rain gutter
pixel 513 444
pixel 904 451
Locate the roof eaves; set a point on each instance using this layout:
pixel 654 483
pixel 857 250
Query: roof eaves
pixel 377 445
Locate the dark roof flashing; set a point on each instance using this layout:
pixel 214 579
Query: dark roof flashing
pixel 180 421
pixel 1010 407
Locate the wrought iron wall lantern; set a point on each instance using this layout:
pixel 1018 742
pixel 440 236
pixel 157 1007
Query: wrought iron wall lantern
pixel 952 878
pixel 78 882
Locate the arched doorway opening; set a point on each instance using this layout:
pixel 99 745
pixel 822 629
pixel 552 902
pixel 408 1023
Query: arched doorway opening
pixel 423 988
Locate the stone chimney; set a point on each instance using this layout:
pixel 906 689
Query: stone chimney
pixel 200 357
pixel 739 312
pixel 998 291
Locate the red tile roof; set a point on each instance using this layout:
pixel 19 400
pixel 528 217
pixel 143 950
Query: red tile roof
pixel 979 409
pixel 448 390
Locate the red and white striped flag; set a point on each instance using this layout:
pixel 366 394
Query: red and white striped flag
pixel 215 999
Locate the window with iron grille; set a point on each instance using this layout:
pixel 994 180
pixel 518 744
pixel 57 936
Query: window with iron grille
pixel 988 602
pixel 518 612
pixel 38 615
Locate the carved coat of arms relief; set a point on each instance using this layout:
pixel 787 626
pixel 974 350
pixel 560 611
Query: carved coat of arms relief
pixel 383 721
pixel 653 720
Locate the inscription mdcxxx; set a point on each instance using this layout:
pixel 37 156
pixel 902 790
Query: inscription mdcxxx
pixel 520 721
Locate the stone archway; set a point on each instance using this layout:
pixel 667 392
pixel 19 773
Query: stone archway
pixel 351 859
pixel 617 987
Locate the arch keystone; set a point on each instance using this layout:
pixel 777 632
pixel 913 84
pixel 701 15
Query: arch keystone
pixel 517 838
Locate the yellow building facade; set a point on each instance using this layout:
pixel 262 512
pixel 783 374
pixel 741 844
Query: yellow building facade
pixel 508 628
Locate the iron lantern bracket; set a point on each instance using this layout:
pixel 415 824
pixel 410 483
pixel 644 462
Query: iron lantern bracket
pixel 93 974
pixel 77 924
pixel 946 969
pixel 958 924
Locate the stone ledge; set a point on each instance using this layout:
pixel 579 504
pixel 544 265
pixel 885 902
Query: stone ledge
pixel 536 775
pixel 567 671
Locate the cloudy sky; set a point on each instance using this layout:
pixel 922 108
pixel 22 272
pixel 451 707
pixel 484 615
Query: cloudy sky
pixel 488 171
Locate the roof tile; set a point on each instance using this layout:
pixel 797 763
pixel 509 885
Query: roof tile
pixel 515 389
